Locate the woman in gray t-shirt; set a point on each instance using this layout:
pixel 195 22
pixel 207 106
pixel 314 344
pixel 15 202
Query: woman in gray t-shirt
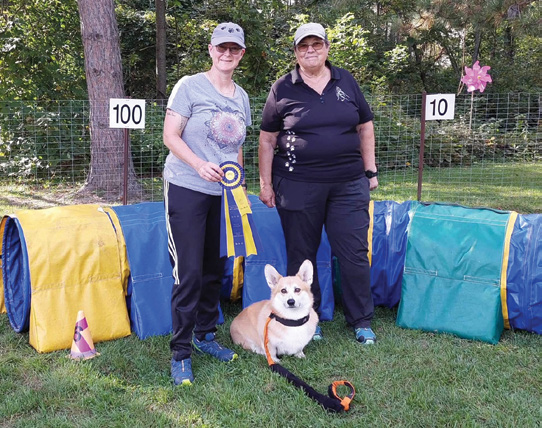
pixel 205 125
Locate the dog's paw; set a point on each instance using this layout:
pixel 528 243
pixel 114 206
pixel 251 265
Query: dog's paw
pixel 300 354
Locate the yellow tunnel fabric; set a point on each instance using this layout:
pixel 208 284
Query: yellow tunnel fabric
pixel 370 231
pixel 2 305
pixel 238 278
pixel 504 270
pixel 77 262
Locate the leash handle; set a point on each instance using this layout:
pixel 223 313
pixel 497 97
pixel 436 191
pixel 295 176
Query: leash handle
pixel 347 399
pixel 332 402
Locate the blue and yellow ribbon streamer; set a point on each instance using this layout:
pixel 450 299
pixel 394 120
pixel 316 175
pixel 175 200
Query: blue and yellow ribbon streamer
pixel 238 235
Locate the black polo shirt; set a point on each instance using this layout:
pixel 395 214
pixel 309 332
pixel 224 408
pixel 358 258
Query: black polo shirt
pixel 317 138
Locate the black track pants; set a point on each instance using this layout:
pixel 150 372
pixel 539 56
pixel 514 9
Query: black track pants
pixel 304 208
pixel 193 221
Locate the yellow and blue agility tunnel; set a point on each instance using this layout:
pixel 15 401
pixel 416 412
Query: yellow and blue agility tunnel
pixel 452 273
pixel 459 270
pixel 523 295
pixel 2 305
pixel 232 281
pixel 255 288
pixel 66 259
pixel 150 281
pixel 15 274
pixel 388 240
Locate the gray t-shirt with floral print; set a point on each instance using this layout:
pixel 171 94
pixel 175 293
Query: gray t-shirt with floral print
pixel 215 130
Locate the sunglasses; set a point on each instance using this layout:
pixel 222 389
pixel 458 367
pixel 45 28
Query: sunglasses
pixel 234 50
pixel 304 47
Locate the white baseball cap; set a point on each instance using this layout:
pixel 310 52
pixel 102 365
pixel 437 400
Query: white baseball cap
pixel 310 29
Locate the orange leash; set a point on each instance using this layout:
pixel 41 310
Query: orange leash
pixel 266 342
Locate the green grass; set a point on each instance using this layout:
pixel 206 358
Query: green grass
pixel 510 186
pixel 410 378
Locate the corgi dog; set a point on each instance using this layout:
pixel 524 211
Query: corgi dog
pixel 293 320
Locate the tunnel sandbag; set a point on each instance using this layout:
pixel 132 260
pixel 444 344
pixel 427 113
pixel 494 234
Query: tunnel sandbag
pixel 255 288
pixel 76 262
pixel 452 275
pixel 15 274
pixel 524 275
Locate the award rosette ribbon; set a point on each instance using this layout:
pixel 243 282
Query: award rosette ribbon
pixel 238 235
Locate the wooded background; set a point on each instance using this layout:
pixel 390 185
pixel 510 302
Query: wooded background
pixel 391 46
pixel 62 60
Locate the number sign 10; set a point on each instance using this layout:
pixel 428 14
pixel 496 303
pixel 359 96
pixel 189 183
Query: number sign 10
pixel 440 107
pixel 126 113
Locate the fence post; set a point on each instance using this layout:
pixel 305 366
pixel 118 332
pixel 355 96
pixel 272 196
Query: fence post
pixel 422 147
pixel 126 157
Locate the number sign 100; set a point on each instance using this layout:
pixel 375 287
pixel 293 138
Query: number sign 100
pixel 125 114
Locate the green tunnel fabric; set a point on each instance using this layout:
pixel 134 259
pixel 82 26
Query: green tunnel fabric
pixel 452 274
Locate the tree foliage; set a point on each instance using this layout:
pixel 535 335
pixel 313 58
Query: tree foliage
pixel 391 46
pixel 41 51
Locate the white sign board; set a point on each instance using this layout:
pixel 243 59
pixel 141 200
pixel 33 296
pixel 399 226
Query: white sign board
pixel 439 107
pixel 126 113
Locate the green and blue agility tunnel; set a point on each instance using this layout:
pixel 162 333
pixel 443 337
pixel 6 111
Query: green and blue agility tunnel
pixel 452 274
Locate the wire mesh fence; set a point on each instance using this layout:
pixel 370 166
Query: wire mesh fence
pixel 490 154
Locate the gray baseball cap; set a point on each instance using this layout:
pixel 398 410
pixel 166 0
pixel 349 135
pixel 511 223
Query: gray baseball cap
pixel 228 32
pixel 310 29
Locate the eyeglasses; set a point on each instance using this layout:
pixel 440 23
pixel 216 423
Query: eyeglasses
pixel 234 50
pixel 304 47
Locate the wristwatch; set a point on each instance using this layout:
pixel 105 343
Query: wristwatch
pixel 371 174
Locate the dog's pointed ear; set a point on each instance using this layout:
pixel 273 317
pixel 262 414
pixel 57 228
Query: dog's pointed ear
pixel 306 272
pixel 271 276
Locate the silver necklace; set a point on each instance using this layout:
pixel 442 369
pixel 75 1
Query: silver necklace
pixel 228 92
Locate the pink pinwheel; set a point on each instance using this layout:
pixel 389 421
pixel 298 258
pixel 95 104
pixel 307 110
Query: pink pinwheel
pixel 476 77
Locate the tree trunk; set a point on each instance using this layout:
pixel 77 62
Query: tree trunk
pixel 419 65
pixel 103 69
pixel 161 72
pixel 477 42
